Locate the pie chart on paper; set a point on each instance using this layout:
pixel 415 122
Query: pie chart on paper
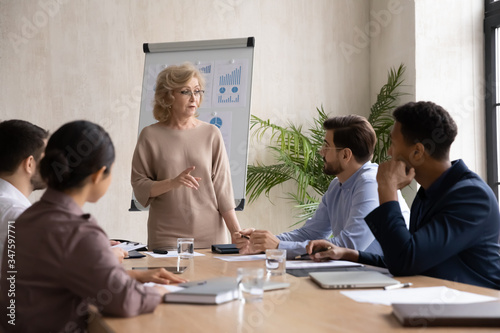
pixel 216 121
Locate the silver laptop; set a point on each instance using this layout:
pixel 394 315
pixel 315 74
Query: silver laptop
pixel 354 279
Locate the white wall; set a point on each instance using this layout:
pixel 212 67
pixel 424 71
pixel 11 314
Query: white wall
pixel 442 45
pixel 63 60
pixel 450 70
pixel 393 43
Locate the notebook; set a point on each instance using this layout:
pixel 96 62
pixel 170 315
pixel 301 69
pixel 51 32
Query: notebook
pixel 355 279
pixel 213 291
pixel 472 314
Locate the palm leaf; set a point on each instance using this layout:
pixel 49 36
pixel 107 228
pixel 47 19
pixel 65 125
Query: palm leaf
pixel 380 113
pixel 261 179
pixel 296 153
pixel 306 208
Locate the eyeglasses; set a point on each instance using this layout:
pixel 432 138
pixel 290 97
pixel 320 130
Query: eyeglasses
pixel 324 147
pixel 189 93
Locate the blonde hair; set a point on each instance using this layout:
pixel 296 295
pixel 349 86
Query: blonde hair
pixel 171 78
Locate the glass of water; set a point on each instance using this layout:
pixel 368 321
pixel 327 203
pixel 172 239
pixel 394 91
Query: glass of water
pixel 185 248
pixel 276 262
pixel 250 284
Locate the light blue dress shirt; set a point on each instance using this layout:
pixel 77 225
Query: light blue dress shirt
pixel 341 213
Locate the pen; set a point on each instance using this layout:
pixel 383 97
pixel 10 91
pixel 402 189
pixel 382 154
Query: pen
pixel 306 255
pixel 245 236
pixel 399 285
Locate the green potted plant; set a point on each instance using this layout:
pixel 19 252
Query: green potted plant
pixel 296 151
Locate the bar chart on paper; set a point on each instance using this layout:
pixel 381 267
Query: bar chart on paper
pixel 234 78
pixel 230 79
pixel 205 69
pixel 230 99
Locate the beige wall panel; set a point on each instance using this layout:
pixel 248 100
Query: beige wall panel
pixel 62 60
pixel 450 70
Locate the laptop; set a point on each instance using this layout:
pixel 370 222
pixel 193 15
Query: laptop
pixel 354 279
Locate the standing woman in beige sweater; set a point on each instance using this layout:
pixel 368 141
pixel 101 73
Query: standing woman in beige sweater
pixel 180 167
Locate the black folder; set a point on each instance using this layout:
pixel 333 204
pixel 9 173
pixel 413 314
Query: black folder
pixel 225 248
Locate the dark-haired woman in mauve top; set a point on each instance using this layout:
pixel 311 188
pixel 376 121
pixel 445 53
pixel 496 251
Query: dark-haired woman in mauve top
pixel 63 261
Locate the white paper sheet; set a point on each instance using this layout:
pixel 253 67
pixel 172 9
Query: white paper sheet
pixel 297 264
pixel 207 69
pixel 224 121
pixel 170 254
pixel 230 83
pixel 434 295
pixel 242 258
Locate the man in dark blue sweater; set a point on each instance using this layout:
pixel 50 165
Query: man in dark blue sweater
pixel 454 220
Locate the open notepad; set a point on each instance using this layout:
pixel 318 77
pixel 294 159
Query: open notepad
pixel 130 246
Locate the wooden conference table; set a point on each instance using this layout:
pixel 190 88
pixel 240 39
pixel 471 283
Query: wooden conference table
pixel 304 307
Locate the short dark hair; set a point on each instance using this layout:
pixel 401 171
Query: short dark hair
pixel 429 124
pixel 19 140
pixel 74 152
pixel 353 132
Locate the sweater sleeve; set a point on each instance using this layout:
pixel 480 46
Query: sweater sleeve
pixel 93 272
pixel 221 174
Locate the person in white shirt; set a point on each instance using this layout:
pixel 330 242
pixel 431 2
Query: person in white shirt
pixel 22 145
